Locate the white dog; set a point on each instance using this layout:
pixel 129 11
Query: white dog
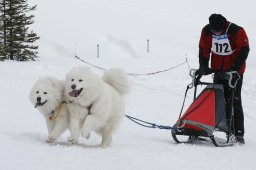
pixel 47 95
pixel 102 97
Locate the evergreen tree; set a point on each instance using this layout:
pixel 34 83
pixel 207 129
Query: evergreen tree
pixel 2 16
pixel 16 41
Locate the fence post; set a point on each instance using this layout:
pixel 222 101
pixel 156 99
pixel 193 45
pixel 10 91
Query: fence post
pixel 75 49
pixel 148 45
pixel 75 53
pixel 98 50
pixel 188 64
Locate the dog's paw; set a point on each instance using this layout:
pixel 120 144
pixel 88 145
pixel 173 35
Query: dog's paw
pixel 72 141
pixel 50 140
pixel 87 136
pixel 104 145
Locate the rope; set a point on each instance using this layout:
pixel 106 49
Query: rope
pixel 148 124
pixel 55 114
pixel 100 68
pixel 134 74
pixel 157 72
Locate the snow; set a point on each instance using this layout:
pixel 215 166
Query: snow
pixel 121 28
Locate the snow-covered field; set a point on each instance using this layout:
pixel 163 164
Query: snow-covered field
pixel 121 28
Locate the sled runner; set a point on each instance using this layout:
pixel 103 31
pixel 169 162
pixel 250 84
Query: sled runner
pixel 210 113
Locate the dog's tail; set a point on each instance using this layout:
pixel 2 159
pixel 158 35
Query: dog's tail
pixel 118 79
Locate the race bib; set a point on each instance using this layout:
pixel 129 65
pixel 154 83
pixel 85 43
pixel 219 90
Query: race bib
pixel 221 45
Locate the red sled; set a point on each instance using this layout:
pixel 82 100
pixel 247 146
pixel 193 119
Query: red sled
pixel 209 113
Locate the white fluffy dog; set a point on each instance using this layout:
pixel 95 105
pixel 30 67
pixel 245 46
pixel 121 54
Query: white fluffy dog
pixel 97 103
pixel 47 95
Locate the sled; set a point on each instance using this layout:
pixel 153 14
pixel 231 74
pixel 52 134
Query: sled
pixel 209 114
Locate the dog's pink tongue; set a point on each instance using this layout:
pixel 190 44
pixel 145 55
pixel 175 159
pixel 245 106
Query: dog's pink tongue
pixel 73 93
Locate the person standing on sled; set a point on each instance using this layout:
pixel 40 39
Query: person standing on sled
pixel 226 45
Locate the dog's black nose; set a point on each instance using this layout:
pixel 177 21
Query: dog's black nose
pixel 73 86
pixel 38 99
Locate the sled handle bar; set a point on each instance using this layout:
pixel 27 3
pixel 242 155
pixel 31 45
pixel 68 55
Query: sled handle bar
pixel 231 74
pixel 230 77
pixel 192 74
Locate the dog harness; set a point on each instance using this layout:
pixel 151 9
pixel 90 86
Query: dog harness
pixel 55 113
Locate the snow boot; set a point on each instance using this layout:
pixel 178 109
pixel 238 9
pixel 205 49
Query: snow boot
pixel 240 139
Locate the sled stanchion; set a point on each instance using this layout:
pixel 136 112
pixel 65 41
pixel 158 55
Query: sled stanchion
pixel 188 87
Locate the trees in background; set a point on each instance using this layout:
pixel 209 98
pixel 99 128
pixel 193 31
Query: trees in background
pixel 16 40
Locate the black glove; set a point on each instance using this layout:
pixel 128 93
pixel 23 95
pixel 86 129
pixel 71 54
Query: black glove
pixel 200 72
pixel 203 71
pixel 235 68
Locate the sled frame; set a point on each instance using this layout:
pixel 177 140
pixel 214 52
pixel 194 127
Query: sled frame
pixel 198 134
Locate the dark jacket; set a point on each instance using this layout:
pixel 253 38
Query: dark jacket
pixel 239 43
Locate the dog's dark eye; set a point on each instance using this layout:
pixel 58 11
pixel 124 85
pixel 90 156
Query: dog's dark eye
pixel 37 92
pixel 80 80
pixel 72 79
pixel 45 92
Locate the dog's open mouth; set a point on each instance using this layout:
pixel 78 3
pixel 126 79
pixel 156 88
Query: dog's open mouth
pixel 75 93
pixel 40 103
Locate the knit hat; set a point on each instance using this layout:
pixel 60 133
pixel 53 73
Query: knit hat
pixel 217 22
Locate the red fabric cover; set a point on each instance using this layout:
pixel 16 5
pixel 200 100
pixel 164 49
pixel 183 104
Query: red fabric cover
pixel 202 110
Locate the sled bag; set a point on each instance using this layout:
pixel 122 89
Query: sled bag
pixel 207 112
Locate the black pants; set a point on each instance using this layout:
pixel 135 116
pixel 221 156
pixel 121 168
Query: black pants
pixel 238 109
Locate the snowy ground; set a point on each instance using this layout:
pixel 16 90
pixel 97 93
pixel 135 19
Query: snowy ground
pixel 121 28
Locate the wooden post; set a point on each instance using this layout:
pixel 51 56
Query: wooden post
pixel 98 50
pixel 148 45
pixel 75 49
pixel 188 64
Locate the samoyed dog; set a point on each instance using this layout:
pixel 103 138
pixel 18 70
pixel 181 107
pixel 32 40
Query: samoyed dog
pixel 47 95
pixel 97 102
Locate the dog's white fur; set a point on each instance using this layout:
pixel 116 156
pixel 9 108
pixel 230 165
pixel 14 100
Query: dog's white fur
pixel 50 91
pixel 102 97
